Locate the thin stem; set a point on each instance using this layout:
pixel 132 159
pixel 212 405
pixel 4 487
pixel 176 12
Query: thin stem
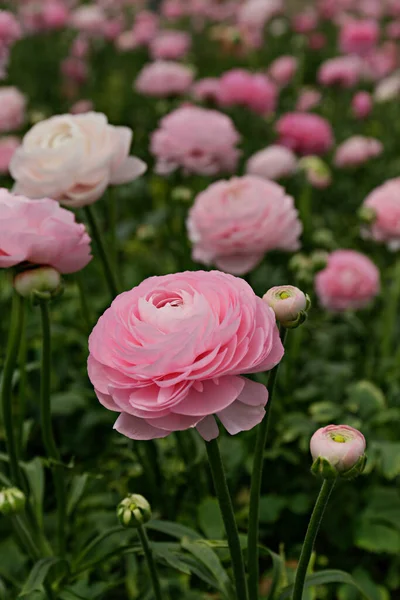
pixel 150 562
pixel 109 273
pixel 17 318
pixel 22 383
pixel 255 491
pixel 390 314
pixel 47 429
pixel 84 303
pixel 25 537
pixel 112 223
pixel 312 531
pixel 305 210
pixel 225 504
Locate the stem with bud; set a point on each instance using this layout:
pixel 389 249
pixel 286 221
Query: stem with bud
pixel 150 562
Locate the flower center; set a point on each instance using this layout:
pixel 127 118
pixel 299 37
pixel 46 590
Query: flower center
pixel 337 437
pixel 284 295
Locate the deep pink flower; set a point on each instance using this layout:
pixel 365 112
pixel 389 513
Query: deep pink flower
pixel 10 29
pixel 170 45
pixel 164 78
pixel 305 22
pixel 283 69
pixel 272 162
pixel 55 14
pixel 240 87
pixel 305 133
pixel 41 232
pixel 380 62
pixel 12 109
pixel 169 353
pixel 361 105
pixel 349 281
pixel 232 224
pixel 8 146
pixel 196 139
pixel 358 37
pixel 385 202
pixel 344 71
pixel 357 150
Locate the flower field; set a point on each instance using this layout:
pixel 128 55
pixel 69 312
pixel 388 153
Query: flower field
pixel 200 294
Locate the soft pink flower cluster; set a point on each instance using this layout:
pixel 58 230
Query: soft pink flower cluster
pixel 385 204
pixel 255 91
pixel 356 151
pixel 168 355
pixel 343 71
pixel 164 78
pixel 305 133
pixel 44 16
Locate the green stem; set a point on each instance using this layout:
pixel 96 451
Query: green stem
pixel 255 491
pixel 305 210
pixel 22 384
pixel 312 531
pixel 390 315
pixel 228 516
pixel 14 340
pixel 150 562
pixel 47 429
pixel 25 537
pixel 112 223
pixel 109 273
pixel 84 303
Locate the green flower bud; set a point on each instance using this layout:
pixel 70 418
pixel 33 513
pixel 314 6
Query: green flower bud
pixel 367 215
pixel 43 282
pixel 134 511
pixel 12 501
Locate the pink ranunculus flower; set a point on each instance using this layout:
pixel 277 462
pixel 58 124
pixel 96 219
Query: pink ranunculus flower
pixel 393 30
pixel 283 69
pixel 254 14
pixel 349 281
pixel 164 78
pixel 74 158
pixel 381 62
pixel 306 21
pixel 361 104
pixel 305 133
pixel 75 69
pixel 240 87
pixel 206 90
pixel 41 232
pixel 196 139
pixel 8 146
pixel 168 355
pixel 385 203
pixel 10 29
pixel 145 27
pixel 274 162
pixel 232 224
pixel 89 19
pixel 308 99
pixel 343 71
pixel 317 40
pixel 358 36
pixel 172 9
pixel 356 151
pixel 81 106
pixel 12 108
pixel 170 45
pixel 341 445
pixel 55 14
pixel 388 89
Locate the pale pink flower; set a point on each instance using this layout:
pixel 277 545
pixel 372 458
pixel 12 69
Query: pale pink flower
pixel 356 151
pixel 10 29
pixel 75 69
pixel 388 89
pixel 287 302
pixel 380 62
pixel 55 14
pixel 8 146
pixel 232 224
pixel 305 133
pixel 172 9
pixel 89 19
pixel 341 445
pixel 164 78
pixel 196 139
pixel 256 13
pixel 145 27
pixel 393 30
pixel 170 45
pixel 81 106
pixel 283 69
pixel 80 47
pixel 305 22
pixel 168 355
pixel 308 99
pixel 112 28
pixel 74 158
pixel 12 108
pixel 358 36
pixel 344 71
pixel 361 104
pixel 385 203
pixel 240 87
pixel 206 90
pixel 349 281
pixel 273 162
pixel 41 232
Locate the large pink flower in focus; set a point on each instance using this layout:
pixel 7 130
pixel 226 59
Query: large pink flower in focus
pixel 358 36
pixel 385 202
pixel 356 151
pixel 305 133
pixel 164 78
pixel 168 355
pixel 232 224
pixel 41 232
pixel 196 139
pixel 240 87
pixel 343 71
pixel 349 281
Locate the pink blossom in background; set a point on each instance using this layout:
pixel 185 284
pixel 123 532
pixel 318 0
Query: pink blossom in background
pixel 381 62
pixel 172 9
pixel 343 71
pixel 42 233
pixel 126 41
pixel 168 355
pixel 283 69
pixel 206 90
pixel 349 281
pixel 145 27
pixel 356 151
pixel 361 104
pixel 55 14
pixel 240 87
pixel 10 29
pixel 12 108
pixel 74 158
pixel 317 40
pixel 385 202
pixel 75 69
pixel 81 106
pixel 80 47
pixel 253 15
pixel 393 30
pixel 232 224
pixel 308 99
pixel 358 37
pixel 4 60
pixel 89 19
pixel 305 22
pixel 305 133
pixel 273 162
pixel 388 89
pixel 196 139
pixel 8 146
pixel 316 171
pixel 164 78
pixel 112 28
pixel 170 45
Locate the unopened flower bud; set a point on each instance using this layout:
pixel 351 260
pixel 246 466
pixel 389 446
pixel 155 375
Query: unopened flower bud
pixel 367 215
pixel 319 260
pixel 316 171
pixel 338 451
pixel 12 501
pixel 324 238
pixel 182 194
pixel 134 511
pixel 40 281
pixel 289 304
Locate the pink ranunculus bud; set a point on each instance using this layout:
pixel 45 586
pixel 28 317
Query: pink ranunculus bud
pixel 289 304
pixel 358 36
pixel 168 355
pixel 232 224
pixel 338 451
pixel 343 71
pixel 241 87
pixel 356 151
pixel 39 280
pixel 283 69
pixel 274 162
pixel 308 99
pixel 361 104
pixel 164 78
pixel 170 45
pixel 350 281
pixel 305 133
pixel 317 171
pixel 384 201
pixel 12 109
pixel 8 146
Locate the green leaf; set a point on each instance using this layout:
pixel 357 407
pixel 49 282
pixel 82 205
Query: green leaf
pixel 173 529
pixel 38 575
pixel 278 569
pixel 210 519
pixel 365 398
pixel 378 538
pixel 77 490
pixel 271 507
pixel 322 578
pixel 35 474
pixel 390 459
pixel 210 560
